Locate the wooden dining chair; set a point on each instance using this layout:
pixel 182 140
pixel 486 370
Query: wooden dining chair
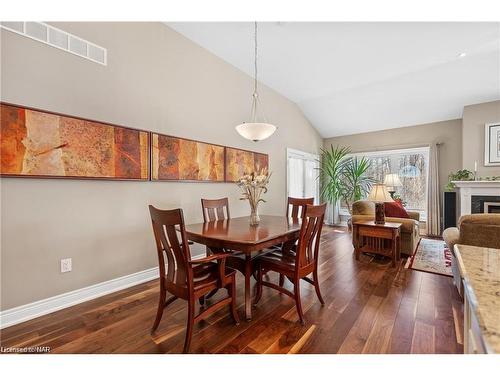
pixel 186 278
pixel 295 209
pixel 298 207
pixel 215 209
pixel 299 264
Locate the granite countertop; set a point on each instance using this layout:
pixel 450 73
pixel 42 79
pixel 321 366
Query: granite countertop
pixel 480 269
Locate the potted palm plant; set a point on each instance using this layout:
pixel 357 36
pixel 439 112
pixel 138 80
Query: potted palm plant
pixel 343 178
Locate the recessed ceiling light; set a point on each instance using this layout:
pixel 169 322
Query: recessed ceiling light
pixel 463 54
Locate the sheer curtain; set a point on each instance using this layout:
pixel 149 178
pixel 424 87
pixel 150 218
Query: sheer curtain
pixel 433 193
pixel 302 175
pixel 295 177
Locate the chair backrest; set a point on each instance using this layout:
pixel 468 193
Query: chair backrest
pixel 213 209
pixel 297 204
pixel 481 230
pixel 168 226
pixel 309 237
pixel 363 207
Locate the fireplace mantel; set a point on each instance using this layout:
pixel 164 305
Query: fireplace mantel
pixel 477 184
pixel 466 189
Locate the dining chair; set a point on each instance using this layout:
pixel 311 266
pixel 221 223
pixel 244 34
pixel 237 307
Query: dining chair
pixel 299 264
pixel 213 209
pixel 184 277
pixel 296 205
pixel 295 208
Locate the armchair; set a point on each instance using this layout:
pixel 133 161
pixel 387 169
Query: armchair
pixel 481 230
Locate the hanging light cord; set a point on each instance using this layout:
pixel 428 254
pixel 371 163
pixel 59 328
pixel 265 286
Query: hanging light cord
pixel 255 96
pixel 255 60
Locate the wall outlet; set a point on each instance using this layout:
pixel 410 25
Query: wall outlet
pixel 66 265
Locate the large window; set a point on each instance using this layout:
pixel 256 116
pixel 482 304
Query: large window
pixel 411 167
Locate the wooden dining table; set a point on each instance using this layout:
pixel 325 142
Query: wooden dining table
pixel 248 242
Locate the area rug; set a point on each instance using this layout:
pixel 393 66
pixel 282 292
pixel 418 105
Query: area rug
pixel 431 256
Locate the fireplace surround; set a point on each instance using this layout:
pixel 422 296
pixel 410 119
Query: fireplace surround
pixel 472 196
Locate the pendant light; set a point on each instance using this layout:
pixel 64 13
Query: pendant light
pixel 258 128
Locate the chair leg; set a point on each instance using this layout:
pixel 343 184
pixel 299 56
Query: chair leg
pixel 232 293
pixel 316 286
pixel 190 324
pixel 258 294
pixel 296 292
pixel 282 280
pixel 161 307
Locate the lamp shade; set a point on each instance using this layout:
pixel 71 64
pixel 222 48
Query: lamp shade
pixel 255 131
pixel 379 193
pixel 392 180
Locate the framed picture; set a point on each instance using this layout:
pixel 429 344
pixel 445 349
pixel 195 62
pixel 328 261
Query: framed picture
pixel 179 159
pixel 492 144
pixel 241 162
pixel 41 144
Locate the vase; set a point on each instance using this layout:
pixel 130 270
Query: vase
pixel 254 214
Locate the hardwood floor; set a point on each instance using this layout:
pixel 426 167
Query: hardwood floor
pixel 370 308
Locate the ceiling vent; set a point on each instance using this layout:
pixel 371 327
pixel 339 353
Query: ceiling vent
pixel 58 38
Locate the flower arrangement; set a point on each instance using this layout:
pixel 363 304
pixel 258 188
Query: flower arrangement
pixel 252 187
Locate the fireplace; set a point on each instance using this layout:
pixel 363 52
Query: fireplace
pixel 485 204
pixel 477 197
pixel 492 207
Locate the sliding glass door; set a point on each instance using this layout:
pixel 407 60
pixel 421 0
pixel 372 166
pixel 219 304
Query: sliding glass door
pixel 302 175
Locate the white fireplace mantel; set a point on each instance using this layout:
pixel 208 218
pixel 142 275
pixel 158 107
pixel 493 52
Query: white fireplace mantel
pixel 466 189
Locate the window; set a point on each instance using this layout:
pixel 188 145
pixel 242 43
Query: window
pixel 411 167
pixel 302 175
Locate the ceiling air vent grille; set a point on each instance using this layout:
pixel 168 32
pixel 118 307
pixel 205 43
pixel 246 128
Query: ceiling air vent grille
pixel 58 38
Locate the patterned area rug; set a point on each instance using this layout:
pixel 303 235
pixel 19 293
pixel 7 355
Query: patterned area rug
pixel 431 256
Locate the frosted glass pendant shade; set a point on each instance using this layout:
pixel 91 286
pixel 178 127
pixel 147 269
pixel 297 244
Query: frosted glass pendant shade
pixel 255 131
pixel 257 128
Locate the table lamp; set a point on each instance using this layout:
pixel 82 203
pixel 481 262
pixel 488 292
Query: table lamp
pixel 379 195
pixel 392 181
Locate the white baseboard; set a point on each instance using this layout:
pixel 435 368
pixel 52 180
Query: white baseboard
pixel 35 309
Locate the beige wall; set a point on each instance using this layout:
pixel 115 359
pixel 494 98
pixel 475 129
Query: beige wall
pixel 474 118
pixel 447 132
pixel 156 80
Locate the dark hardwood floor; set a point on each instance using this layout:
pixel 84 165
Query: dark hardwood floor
pixel 370 308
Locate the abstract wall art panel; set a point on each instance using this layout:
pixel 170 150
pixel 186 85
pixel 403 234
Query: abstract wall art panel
pixel 185 160
pixel 241 162
pixel 37 143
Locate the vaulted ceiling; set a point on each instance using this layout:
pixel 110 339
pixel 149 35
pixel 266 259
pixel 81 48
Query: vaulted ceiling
pixel 358 77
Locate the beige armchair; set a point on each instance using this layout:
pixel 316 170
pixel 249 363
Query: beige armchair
pixel 410 234
pixel 481 230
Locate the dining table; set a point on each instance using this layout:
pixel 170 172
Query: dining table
pixel 246 241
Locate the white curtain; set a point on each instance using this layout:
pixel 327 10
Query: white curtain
pixel 295 177
pixel 433 193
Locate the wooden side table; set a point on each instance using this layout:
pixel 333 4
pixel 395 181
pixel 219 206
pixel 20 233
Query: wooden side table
pixel 384 239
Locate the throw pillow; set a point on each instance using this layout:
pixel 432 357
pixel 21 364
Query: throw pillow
pixel 395 209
